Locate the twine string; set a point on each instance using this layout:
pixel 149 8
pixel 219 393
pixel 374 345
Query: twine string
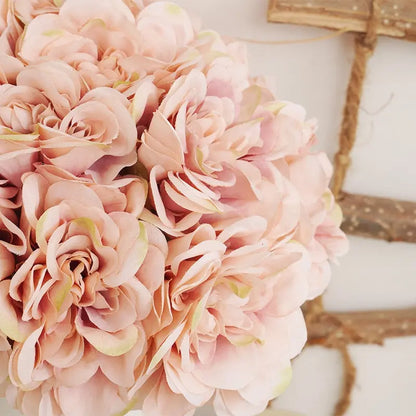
pixel 349 381
pixel 294 41
pixel 364 47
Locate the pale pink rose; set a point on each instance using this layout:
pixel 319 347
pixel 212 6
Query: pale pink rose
pixel 58 82
pixel 164 29
pixel 20 109
pixel 227 74
pixel 235 321
pixel 98 135
pixel 81 293
pixel 100 24
pixel 165 33
pixel 50 36
pixel 284 129
pixel 224 65
pixel 91 36
pixel 110 42
pixel 200 161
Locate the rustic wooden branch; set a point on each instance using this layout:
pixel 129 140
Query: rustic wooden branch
pixel 338 330
pixel 398 16
pixel 380 218
pixel 371 327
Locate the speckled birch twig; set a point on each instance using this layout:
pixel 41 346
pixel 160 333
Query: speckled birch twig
pixel 381 218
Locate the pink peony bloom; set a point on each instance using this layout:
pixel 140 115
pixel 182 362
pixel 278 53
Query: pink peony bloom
pixel 201 160
pixel 234 325
pixel 76 300
pixel 164 29
pixel 57 81
pixel 98 135
pixel 19 107
pixel 22 109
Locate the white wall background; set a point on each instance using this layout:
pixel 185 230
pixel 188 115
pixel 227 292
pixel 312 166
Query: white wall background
pixel 374 274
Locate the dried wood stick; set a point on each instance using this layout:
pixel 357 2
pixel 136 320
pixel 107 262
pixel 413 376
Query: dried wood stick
pixel 381 218
pixel 369 327
pixel 398 16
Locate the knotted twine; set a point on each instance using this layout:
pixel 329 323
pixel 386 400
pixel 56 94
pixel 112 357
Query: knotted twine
pixel 365 44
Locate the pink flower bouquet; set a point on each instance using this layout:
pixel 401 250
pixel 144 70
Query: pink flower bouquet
pixel 162 216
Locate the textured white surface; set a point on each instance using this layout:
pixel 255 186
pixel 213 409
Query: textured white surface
pixel 375 274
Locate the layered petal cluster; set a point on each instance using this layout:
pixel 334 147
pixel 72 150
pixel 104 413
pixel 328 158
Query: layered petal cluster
pixel 104 39
pixel 49 117
pixel 234 323
pixel 162 216
pixel 75 303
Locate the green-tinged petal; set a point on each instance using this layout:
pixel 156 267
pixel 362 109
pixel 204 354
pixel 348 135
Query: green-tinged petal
pixel 48 221
pixel 240 290
pixel 54 32
pixel 95 23
pixel 9 323
pixel 336 214
pixel 200 161
pixel 173 9
pixel 253 96
pixel 60 291
pixel 244 339
pixel 165 347
pixel 128 408
pixel 89 225
pixel 200 307
pixel 332 207
pixel 13 137
pixel 286 378
pixel 143 245
pixel 241 341
pixel 327 198
pixel 113 344
pixel 275 107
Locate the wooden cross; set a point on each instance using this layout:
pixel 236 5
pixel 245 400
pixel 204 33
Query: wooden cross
pixel 398 17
